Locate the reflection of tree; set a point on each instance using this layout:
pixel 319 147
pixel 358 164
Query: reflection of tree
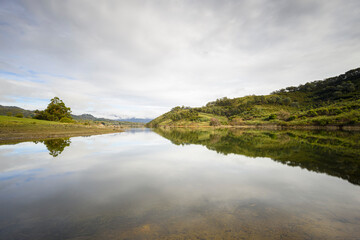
pixel 334 153
pixel 56 146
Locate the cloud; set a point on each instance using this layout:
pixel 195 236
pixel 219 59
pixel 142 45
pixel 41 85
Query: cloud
pixel 141 58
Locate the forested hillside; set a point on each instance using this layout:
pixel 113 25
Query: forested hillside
pixel 333 101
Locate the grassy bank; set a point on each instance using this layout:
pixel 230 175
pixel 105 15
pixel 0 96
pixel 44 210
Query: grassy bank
pixel 14 129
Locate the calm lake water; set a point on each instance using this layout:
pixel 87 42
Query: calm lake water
pixel 183 184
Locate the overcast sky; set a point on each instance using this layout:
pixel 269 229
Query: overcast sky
pixel 141 58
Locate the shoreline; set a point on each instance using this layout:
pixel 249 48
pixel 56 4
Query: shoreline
pixel 17 136
pixel 273 127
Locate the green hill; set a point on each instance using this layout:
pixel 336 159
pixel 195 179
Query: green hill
pixel 334 101
pixel 13 111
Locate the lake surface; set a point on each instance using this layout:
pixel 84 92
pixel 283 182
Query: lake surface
pixel 183 184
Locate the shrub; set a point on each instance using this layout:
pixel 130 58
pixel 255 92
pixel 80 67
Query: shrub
pixel 338 93
pixel 311 113
pixel 335 111
pixel 236 121
pixel 272 117
pixel 224 122
pixel 295 104
pixel 175 116
pixel 214 122
pixel 322 111
pixel 293 117
pixel 66 120
pixel 202 120
pixel 283 115
pixel 321 121
pixel 286 101
pixel 19 115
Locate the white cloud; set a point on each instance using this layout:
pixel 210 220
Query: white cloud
pixel 140 58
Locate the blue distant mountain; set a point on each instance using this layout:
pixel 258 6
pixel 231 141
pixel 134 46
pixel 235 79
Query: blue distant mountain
pixel 137 120
pixel 91 117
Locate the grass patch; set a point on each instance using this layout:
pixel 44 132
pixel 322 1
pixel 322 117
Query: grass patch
pixel 22 129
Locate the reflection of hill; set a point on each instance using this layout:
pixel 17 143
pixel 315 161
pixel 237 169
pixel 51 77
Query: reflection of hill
pixel 56 146
pixel 334 153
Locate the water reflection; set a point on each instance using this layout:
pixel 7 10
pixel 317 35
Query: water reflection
pixel 335 153
pixel 137 185
pixel 55 146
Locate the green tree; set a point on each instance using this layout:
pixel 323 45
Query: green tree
pixel 19 115
pixel 55 111
pixel 55 146
pixel 286 101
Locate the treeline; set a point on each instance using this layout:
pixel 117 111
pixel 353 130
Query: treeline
pixel 230 107
pixel 180 113
pixel 329 89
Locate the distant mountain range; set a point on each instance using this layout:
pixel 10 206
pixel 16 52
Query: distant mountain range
pixel 12 110
pixel 137 120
